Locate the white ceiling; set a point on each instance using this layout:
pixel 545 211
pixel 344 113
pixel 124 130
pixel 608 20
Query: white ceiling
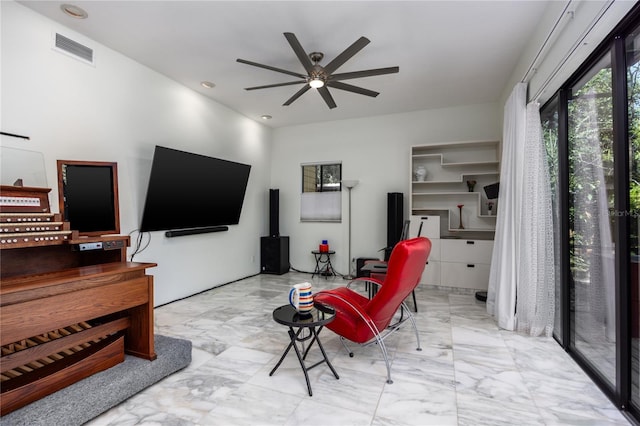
pixel 449 52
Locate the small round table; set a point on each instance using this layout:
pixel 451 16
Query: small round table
pixel 318 317
pixel 323 263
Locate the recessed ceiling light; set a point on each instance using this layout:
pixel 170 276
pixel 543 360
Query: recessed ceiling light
pixel 266 117
pixel 74 11
pixel 207 84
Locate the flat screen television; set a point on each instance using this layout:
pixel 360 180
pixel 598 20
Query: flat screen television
pixel 88 196
pixel 188 190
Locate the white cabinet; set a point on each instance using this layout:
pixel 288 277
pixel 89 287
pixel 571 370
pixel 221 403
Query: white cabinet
pixel 465 263
pixel 472 251
pixel 428 226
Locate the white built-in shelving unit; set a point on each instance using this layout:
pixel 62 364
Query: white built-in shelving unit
pixel 460 257
pixel 448 169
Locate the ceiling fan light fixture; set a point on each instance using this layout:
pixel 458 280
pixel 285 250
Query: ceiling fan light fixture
pixel 316 82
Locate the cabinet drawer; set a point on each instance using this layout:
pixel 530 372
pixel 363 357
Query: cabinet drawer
pixel 454 274
pixel 466 251
pixel 431 273
pixel 430 226
pixel 434 255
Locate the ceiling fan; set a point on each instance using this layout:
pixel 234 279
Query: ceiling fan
pixel 322 77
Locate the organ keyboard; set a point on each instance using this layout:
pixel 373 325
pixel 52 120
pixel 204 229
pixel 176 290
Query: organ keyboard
pixel 33 229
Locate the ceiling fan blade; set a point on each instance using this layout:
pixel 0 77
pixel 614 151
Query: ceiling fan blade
pixel 296 95
pixel 268 67
pixel 351 88
pixel 357 46
pixel 365 73
pixel 299 51
pixel 275 85
pixel 324 92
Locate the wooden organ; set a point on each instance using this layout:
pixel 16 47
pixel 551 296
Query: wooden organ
pixel 70 306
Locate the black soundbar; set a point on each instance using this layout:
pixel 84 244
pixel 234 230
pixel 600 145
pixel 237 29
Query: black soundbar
pixel 193 231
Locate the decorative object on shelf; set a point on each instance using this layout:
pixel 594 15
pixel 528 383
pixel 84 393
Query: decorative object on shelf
pixel 420 173
pixel 324 247
pixel 490 207
pixel 460 206
pixel 471 184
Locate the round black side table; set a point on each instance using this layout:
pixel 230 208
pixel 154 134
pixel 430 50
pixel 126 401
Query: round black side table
pixel 323 263
pixel 313 321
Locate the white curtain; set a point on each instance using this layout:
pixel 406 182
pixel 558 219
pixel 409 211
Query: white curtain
pixel 535 301
pixel 522 280
pixel 501 295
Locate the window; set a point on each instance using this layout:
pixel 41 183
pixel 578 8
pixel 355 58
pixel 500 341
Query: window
pixel 321 198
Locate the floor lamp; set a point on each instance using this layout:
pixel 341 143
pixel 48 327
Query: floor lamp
pixel 349 184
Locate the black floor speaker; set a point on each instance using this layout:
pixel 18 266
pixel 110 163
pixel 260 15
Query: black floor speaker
pixel 395 220
pixel 274 255
pixel 274 212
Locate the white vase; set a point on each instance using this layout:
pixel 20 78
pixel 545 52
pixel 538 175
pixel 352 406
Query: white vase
pixel 420 173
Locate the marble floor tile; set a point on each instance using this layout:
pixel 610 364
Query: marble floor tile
pixel 469 372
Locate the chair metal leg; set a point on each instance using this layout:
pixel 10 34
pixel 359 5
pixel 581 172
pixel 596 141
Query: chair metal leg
pixel 375 332
pixel 349 351
pixel 415 329
pixel 415 304
pixel 385 355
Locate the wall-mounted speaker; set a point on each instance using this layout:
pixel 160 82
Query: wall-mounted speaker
pixel 274 212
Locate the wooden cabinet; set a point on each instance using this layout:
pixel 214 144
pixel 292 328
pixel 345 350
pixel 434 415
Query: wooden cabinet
pixel 69 306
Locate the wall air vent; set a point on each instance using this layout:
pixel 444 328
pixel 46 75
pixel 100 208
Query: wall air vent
pixel 70 47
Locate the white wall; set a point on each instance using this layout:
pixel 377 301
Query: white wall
pixel 375 151
pixel 118 110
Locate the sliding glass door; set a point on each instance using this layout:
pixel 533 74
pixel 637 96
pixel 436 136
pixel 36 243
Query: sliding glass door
pixel 592 132
pixel 592 240
pixel 632 47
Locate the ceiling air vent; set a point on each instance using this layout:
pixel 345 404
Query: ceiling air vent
pixel 73 48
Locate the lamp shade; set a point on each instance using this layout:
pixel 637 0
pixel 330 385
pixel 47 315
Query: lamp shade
pixel 350 183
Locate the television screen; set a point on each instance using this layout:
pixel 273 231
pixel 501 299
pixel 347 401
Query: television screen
pixel 88 196
pixel 189 190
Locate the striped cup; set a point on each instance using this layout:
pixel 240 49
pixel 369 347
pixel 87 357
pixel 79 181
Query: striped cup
pixel 301 297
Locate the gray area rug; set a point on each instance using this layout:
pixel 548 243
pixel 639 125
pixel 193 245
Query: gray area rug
pixel 88 398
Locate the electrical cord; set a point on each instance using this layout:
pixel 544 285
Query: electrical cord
pixel 138 246
pixel 338 274
pixel 297 270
